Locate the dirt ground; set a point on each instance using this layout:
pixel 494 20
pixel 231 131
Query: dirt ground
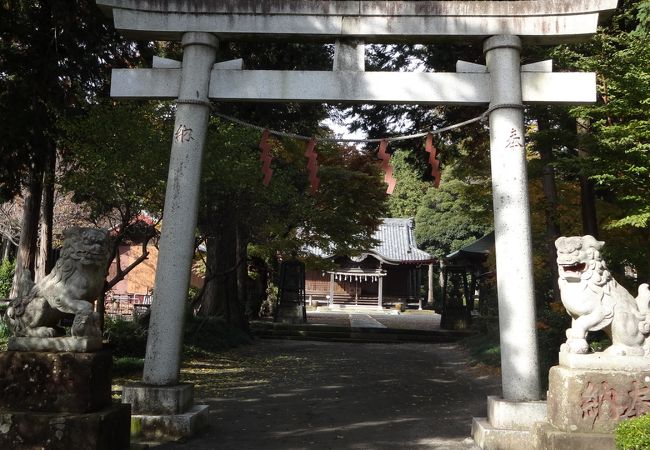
pixel 290 395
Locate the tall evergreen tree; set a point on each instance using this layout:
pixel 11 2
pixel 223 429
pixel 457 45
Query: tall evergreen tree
pixel 55 57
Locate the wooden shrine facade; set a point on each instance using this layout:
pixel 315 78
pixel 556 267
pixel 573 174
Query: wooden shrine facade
pixel 390 273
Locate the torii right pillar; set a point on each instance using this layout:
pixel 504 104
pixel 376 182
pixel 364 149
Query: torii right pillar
pixel 519 362
pixel 510 418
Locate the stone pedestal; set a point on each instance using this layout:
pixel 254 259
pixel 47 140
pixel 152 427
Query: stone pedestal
pixel 164 413
pixel 60 401
pixel 589 395
pixel 508 425
pixel 291 313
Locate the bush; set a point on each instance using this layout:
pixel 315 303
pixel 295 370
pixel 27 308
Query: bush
pixel 6 278
pixel 126 338
pixel 552 322
pixel 484 346
pixel 127 365
pixel 212 333
pixel 633 434
pixel 4 334
pixel 202 335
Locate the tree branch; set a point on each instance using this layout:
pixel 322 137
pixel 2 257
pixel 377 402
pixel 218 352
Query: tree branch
pixel 123 273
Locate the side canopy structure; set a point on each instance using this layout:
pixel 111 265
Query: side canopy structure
pixel 503 85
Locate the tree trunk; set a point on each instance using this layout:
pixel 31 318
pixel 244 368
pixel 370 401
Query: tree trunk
pixel 545 148
pixel 44 263
pixel 6 249
pixel 209 304
pixel 257 287
pixel 587 192
pixel 242 271
pixel 220 295
pixel 26 257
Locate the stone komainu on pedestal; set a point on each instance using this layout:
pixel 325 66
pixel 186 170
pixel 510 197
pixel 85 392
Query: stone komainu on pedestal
pixel 590 393
pixel 71 288
pixel 596 301
pixel 55 391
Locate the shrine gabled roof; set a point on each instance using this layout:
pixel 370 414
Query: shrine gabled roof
pixel 397 243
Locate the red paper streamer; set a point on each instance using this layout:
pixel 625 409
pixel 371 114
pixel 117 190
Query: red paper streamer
pixel 266 157
pixel 312 165
pixel 435 163
pixel 385 165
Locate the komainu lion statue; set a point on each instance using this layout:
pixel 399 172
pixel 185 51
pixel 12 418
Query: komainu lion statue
pixel 596 301
pixel 75 282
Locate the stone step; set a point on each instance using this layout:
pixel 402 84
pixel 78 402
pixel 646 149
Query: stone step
pixel 352 334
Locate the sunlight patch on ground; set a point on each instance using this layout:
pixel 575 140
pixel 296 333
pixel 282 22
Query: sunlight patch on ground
pixel 439 380
pixel 343 428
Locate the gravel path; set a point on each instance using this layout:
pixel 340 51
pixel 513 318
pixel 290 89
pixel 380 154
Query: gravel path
pixel 290 395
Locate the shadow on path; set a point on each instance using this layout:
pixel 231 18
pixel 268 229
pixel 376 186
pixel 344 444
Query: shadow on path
pixel 278 394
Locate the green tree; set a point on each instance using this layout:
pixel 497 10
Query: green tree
pixel 410 188
pixel 116 160
pixel 453 216
pixel 6 277
pixel 619 138
pixel 55 56
pixel 238 212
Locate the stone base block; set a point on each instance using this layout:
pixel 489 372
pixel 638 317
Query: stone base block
pixel 290 313
pixel 515 415
pixel 170 427
pixel 508 425
pixel 593 400
pixel 104 430
pixel 158 400
pixel 604 361
pixel 488 437
pixel 545 437
pixel 55 382
pixel 60 344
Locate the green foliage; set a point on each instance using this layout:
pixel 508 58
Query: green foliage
pixel 55 60
pixel 484 346
pixel 284 216
pixel 618 142
pixel 117 159
pixel 127 338
pixel 633 434
pixel 4 328
pixel 6 277
pixel 127 365
pixel 452 216
pixel 407 196
pixel 552 322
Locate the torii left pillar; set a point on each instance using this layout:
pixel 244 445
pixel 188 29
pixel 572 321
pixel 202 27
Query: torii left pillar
pixel 160 393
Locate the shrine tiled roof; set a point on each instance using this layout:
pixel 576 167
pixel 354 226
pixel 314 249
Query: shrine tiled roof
pixel 397 243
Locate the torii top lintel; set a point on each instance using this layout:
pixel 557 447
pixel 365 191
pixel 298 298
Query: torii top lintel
pixel 541 22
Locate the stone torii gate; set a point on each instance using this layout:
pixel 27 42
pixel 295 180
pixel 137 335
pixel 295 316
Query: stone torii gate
pixel 502 83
